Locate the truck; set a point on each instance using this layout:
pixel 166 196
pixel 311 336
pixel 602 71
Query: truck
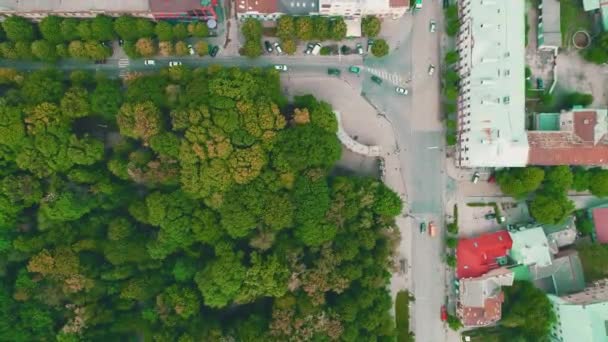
pixel 316 49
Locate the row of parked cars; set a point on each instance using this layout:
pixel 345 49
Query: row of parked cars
pixel 213 50
pixel 315 48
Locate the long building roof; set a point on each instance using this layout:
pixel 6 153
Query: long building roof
pixel 74 5
pixel 495 131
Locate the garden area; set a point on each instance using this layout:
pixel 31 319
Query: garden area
pixel 184 205
pixel 402 317
pixel 55 38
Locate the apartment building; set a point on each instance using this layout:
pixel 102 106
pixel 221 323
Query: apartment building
pixel 361 8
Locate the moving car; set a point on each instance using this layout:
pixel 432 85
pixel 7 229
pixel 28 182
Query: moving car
pixel 354 69
pixel 444 313
pixel 149 62
pixel 359 48
pixel 277 47
pixel 475 178
pixel 333 72
pixel 431 69
pixel 280 67
pixel 377 80
pixel 432 26
pixel 174 63
pixel 401 91
pixel 370 43
pixel 268 46
pixel 432 229
pixel 422 227
pixel 190 49
pixel 214 50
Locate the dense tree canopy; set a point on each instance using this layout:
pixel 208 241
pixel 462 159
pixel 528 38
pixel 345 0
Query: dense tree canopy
pixel 519 182
pixel 527 310
pixel 184 206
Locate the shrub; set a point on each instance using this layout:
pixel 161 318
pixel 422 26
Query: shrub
pixel 380 48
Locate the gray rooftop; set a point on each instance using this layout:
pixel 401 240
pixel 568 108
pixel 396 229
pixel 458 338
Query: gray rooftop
pixel 550 25
pixel 299 7
pixel 73 5
pixel 475 291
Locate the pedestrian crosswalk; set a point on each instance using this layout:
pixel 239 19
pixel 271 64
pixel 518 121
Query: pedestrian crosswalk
pixel 123 64
pixel 385 75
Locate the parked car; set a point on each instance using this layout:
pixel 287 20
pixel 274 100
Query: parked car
pixel 432 26
pixel 190 49
pixel 309 48
pixel 149 62
pixel 214 50
pixel 422 227
pixel 444 313
pixel 401 91
pixel 370 43
pixel 316 49
pixel 174 63
pixel 540 84
pixel 280 67
pixel 333 72
pixel 277 47
pixel 354 69
pixel 490 216
pixel 121 42
pixel 377 80
pixel 475 178
pixel 432 229
pixel 346 50
pixel 268 46
pixel 359 49
pixel 431 69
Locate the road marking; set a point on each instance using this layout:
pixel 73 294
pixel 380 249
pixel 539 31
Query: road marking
pixel 123 63
pixel 392 77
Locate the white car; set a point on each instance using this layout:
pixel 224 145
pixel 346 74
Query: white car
pixel 191 49
pixel 280 67
pixel 359 48
pixel 277 47
pixel 431 70
pixel 433 26
pixel 401 91
pixel 149 62
pixel 174 63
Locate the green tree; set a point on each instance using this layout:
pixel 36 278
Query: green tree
pixel 69 29
pixel 252 49
pixel 599 183
pixel 44 51
pixel 102 28
pixel 106 98
pixel 451 57
pixel 370 26
pixel 303 147
pixel 139 121
pixel 551 208
pixel 558 179
pixel 181 49
pixel 24 50
pixel 593 258
pixel 84 30
pixel 198 29
pixel 145 47
pixel 581 179
pixel 338 29
pixel 528 310
pixel 50 29
pixel 304 28
pixel 126 28
pixel 286 28
pixel 164 31
pixel 180 32
pixel 519 182
pixel 320 28
pixel 201 48
pixel 18 29
pixel 221 279
pixel 289 46
pixel 145 28
pixel 380 48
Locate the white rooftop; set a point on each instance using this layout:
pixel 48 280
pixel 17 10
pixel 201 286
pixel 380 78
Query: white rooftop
pixel 497 135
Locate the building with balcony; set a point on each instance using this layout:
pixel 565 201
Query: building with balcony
pixel 491 103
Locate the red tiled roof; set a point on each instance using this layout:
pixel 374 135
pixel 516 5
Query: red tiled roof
pixel 477 256
pixel 584 125
pixel 399 3
pixel 600 221
pixel 490 313
pixel 260 6
pixel 565 148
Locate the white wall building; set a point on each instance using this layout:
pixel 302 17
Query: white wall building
pixel 491 104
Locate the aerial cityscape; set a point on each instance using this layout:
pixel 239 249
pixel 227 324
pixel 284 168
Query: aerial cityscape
pixel 304 170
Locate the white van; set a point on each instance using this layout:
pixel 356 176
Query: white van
pixel 316 49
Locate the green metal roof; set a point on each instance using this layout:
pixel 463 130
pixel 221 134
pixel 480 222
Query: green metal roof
pixel 530 247
pixel 521 272
pixel 575 323
pixel 547 122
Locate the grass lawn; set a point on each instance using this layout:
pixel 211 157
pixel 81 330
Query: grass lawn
pixel 402 317
pixel 573 18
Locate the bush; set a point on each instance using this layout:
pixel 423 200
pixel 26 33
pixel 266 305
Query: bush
pixel 380 48
pixel 201 48
pixel 451 57
pixel 165 48
pixel 145 47
pixel 402 317
pixel 181 49
pixel 452 228
pixel 326 51
pixel 578 99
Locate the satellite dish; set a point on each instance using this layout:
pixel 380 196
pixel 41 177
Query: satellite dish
pixel 211 23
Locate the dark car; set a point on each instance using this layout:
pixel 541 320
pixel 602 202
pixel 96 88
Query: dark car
pixel 103 61
pixel 268 46
pixel 377 80
pixel 214 50
pixel 121 42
